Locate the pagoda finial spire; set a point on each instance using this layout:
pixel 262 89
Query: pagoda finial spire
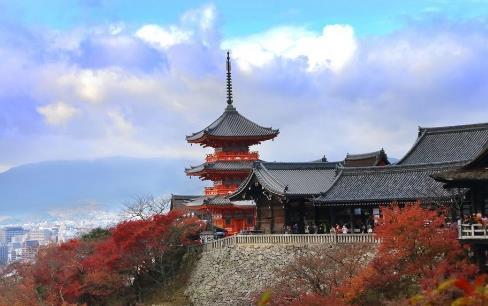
pixel 229 81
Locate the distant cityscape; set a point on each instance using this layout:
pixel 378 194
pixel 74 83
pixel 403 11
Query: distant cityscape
pixel 22 242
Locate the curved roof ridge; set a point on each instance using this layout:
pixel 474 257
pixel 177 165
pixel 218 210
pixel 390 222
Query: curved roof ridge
pixel 364 155
pixel 449 143
pixel 450 128
pixel 230 122
pixel 269 176
pixel 412 149
pixel 396 167
pixel 299 165
pixel 337 177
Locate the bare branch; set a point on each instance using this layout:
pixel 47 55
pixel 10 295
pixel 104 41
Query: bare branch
pixel 144 207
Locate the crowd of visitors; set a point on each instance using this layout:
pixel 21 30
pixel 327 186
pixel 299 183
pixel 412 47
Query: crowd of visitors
pixel 476 218
pixel 324 229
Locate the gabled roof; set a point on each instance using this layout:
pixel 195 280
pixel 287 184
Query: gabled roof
pixel 377 158
pixel 290 179
pixel 363 185
pixel 220 166
pixel 231 124
pixel 474 171
pixel 447 144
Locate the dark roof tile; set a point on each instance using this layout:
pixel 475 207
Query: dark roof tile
pixel 291 179
pixel 221 166
pixel 233 124
pixel 387 183
pixel 447 144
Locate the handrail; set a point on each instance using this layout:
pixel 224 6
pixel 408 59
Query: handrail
pixel 289 239
pixel 473 231
pixel 232 156
pixel 220 189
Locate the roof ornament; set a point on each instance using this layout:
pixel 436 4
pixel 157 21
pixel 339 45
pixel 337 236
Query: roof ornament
pixel 229 81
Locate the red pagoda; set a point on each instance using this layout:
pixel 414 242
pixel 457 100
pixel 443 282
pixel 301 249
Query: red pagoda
pixel 230 135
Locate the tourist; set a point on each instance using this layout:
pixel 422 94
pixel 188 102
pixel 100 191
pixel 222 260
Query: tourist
pixel 370 229
pixel 338 229
pixel 294 229
pixel 344 229
pixel 333 230
pixel 321 229
pixel 307 229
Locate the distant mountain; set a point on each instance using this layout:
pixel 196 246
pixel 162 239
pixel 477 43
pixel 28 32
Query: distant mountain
pixel 37 189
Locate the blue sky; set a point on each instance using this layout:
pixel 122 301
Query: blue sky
pixel 372 17
pixel 91 79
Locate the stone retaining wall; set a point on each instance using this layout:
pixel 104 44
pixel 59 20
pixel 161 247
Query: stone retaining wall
pixel 233 275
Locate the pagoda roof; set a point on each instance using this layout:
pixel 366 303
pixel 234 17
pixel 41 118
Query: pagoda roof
pixel 217 201
pixel 231 125
pixel 447 144
pixel 376 158
pixel 382 184
pixel 220 166
pixel 290 179
pixel 178 201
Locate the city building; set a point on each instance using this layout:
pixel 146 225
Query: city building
pixel 3 254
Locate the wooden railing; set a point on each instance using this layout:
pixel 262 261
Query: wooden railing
pixel 473 231
pixel 287 239
pixel 221 189
pixel 231 156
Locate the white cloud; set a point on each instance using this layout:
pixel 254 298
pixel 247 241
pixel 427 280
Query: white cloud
pixel 4 168
pixel 57 113
pixel 163 37
pixel 120 123
pixel 331 49
pixel 203 17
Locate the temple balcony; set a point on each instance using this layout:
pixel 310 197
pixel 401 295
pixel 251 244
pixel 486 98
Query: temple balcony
pixel 473 232
pixel 232 156
pixel 220 190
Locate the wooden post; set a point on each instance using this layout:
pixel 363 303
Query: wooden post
pixel 351 217
pixel 301 224
pixel 272 221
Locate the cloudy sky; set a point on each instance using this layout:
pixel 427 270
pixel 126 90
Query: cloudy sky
pixel 89 79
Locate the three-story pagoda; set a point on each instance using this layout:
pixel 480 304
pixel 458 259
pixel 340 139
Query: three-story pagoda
pixel 230 135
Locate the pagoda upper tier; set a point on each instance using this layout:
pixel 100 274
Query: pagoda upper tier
pixel 232 127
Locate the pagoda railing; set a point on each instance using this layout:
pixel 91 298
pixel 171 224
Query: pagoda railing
pixel 473 232
pixel 289 239
pixel 221 189
pixel 231 156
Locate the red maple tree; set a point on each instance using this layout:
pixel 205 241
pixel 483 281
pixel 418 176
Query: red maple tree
pixel 132 257
pixel 417 251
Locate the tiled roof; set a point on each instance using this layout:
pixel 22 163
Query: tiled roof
pixel 447 144
pixel 291 179
pixel 386 184
pixel 233 124
pixel 474 171
pixel 178 201
pixel 221 166
pixel 366 159
pixel 217 201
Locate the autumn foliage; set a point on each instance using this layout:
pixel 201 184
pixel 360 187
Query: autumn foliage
pixel 122 265
pixel 419 261
pixel 318 273
pixel 417 252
